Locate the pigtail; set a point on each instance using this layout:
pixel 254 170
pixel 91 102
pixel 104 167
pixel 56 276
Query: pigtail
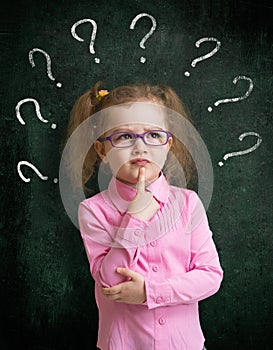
pixel 182 157
pixel 85 106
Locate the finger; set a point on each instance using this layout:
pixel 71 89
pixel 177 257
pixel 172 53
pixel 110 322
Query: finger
pixel 141 180
pixel 111 290
pixel 140 202
pixel 115 297
pixel 126 272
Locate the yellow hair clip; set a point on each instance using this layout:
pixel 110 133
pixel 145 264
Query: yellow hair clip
pixel 101 94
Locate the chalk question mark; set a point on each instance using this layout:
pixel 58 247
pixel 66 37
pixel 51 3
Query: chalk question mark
pixel 236 99
pixel 27 179
pixel 208 55
pixel 48 63
pixel 37 109
pixel 248 150
pixel 93 35
pixel 147 36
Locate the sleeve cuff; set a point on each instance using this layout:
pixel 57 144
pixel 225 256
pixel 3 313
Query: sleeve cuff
pixel 158 293
pixel 131 233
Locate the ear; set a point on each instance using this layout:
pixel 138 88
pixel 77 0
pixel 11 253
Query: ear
pixel 100 149
pixel 170 142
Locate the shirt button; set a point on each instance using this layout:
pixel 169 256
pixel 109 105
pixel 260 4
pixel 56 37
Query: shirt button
pixel 137 232
pixel 155 268
pixel 153 243
pixel 161 321
pixel 159 300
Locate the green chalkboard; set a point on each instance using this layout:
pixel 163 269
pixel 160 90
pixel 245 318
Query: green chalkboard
pixel 47 297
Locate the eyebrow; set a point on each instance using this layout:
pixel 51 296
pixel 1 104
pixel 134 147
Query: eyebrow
pixel 130 130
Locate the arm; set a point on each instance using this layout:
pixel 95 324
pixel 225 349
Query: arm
pixel 204 275
pixel 105 252
pixel 202 279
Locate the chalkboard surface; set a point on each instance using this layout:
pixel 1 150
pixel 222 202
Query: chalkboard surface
pixel 47 297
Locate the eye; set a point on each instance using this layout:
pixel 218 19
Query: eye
pixel 154 135
pixel 124 136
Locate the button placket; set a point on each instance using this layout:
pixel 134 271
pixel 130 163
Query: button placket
pixel 162 321
pixel 155 268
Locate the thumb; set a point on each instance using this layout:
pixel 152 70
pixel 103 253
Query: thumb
pixel 126 272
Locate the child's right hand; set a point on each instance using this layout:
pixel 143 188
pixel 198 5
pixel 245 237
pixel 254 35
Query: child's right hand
pixel 144 205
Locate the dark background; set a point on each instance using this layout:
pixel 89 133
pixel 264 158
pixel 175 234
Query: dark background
pixel 46 290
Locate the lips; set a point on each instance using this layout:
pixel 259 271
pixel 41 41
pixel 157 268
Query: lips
pixel 140 161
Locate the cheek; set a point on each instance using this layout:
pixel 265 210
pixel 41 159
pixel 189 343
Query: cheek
pixel 160 158
pixel 117 159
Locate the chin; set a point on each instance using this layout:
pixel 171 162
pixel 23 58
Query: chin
pixel 128 182
pixel 127 179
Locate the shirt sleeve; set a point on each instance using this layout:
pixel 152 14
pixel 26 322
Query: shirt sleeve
pixel 204 274
pixel 106 247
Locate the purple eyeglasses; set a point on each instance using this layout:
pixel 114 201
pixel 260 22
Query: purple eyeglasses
pixel 125 139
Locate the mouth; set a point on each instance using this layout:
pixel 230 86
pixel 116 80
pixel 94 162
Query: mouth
pixel 140 161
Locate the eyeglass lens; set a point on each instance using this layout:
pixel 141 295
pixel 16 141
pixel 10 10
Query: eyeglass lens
pixel 153 137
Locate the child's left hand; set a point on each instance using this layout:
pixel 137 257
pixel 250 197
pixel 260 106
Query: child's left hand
pixel 130 292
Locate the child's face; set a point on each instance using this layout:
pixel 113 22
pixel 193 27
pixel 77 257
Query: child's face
pixel 126 162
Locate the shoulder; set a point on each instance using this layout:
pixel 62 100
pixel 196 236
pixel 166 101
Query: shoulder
pixel 97 203
pixel 96 210
pixel 188 200
pixel 91 200
pixel 184 193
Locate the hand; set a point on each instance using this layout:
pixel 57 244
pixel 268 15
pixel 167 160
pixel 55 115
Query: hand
pixel 143 206
pixel 130 292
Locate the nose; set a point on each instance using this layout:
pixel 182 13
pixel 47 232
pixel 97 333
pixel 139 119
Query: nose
pixel 139 146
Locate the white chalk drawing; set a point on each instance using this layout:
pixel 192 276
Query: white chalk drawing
pixel 93 35
pixel 147 36
pixel 142 60
pixel 206 56
pixel 236 99
pixel 248 150
pixel 48 63
pixel 37 109
pixel 27 179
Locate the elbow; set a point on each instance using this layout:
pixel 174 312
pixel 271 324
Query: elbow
pixel 221 276
pixel 108 277
pixel 217 278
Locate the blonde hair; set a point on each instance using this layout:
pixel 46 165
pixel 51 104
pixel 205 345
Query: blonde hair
pixel 88 104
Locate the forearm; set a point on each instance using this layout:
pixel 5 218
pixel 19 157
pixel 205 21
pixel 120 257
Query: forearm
pixel 185 288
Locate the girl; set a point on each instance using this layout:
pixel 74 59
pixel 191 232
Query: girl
pixel 148 243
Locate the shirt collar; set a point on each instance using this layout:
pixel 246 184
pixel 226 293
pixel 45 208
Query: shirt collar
pixel 122 194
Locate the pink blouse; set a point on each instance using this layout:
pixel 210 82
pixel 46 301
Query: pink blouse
pixel 175 253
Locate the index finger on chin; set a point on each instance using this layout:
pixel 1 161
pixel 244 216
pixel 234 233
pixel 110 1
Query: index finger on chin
pixel 141 180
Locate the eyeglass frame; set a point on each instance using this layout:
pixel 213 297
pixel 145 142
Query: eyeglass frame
pixel 110 137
